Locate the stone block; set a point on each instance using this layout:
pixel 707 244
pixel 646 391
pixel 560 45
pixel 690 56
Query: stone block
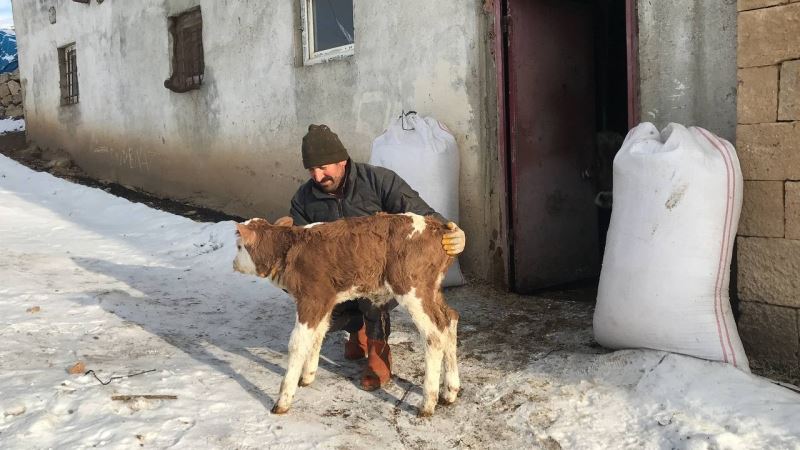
pixel 15 111
pixel 762 209
pixel 4 90
pixel 13 87
pixel 769 270
pixel 789 97
pixel 7 100
pixel 768 36
pixel 769 151
pixel 744 5
pixel 4 77
pixel 757 94
pixel 793 210
pixel 16 99
pixel 770 335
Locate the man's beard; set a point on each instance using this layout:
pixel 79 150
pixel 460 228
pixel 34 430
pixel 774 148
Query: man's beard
pixel 329 188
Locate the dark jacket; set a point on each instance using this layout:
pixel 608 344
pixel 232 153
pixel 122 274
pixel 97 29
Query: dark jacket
pixel 367 190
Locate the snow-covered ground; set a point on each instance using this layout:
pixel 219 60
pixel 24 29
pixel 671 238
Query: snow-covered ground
pixel 128 289
pixel 11 125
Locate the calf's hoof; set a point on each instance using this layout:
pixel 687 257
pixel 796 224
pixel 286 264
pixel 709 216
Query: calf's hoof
pixel 448 397
pixel 444 401
pixel 425 412
pixel 305 381
pixel 277 409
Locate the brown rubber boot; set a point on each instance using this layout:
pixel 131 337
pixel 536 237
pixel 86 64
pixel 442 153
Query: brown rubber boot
pixel 379 366
pixel 356 346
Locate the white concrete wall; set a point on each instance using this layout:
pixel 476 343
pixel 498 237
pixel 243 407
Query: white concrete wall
pixel 234 145
pixel 687 63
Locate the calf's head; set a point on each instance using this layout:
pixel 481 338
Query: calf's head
pixel 245 236
pixel 259 248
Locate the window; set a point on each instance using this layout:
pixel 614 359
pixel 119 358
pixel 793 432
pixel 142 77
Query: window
pixel 186 30
pixel 328 31
pixel 68 71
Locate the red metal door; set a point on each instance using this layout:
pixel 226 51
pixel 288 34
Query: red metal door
pixel 552 128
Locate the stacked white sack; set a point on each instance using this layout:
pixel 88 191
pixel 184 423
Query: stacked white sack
pixel 666 268
pixel 424 153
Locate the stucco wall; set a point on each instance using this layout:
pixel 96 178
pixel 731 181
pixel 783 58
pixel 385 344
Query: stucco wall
pixel 687 63
pixel 234 144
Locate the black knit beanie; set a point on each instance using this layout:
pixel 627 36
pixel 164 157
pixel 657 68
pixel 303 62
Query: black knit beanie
pixel 322 146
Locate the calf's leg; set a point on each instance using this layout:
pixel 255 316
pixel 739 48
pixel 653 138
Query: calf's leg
pixel 312 360
pixel 433 340
pixel 452 384
pixel 300 344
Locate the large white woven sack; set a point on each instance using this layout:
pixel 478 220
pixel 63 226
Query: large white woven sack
pixel 666 268
pixel 425 155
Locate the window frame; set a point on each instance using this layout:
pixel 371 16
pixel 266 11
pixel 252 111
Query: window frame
pixel 310 56
pixel 181 80
pixel 69 88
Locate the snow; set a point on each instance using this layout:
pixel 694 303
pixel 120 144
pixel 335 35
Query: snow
pixel 11 125
pixel 125 289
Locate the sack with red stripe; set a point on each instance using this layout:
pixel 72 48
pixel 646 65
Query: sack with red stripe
pixel 677 196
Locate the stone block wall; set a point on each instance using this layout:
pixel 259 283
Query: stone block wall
pixel 768 143
pixel 10 95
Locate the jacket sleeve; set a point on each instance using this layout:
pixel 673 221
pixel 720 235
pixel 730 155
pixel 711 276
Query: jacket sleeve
pixel 398 197
pixel 297 210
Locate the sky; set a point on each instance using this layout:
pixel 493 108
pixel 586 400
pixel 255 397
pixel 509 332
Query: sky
pixel 6 20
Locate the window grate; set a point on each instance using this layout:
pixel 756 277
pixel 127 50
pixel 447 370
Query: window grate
pixel 68 69
pixel 188 65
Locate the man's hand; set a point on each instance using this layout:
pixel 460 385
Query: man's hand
pixel 454 242
pixel 285 221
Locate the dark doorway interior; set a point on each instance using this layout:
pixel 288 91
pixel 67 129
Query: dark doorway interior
pixel 567 110
pixel 612 99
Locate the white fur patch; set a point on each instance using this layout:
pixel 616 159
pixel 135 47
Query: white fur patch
pixel 418 224
pixel 434 342
pixel 312 225
pixel 300 344
pixel 243 263
pixel 301 338
pixel 413 304
pixel 349 294
pixel 378 297
pixel 254 219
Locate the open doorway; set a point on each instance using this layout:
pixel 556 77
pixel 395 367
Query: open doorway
pixel 566 108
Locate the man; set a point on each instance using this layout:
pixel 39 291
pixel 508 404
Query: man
pixel 340 187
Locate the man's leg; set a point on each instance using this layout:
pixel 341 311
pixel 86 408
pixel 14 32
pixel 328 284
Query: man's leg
pixel 379 358
pixel 347 316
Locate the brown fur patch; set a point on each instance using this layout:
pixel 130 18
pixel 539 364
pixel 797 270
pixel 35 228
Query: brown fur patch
pixel 315 264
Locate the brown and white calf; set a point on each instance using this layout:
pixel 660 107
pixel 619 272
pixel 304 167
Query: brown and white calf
pixel 378 257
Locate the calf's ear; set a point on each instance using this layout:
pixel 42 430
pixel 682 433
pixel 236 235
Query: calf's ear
pixel 244 232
